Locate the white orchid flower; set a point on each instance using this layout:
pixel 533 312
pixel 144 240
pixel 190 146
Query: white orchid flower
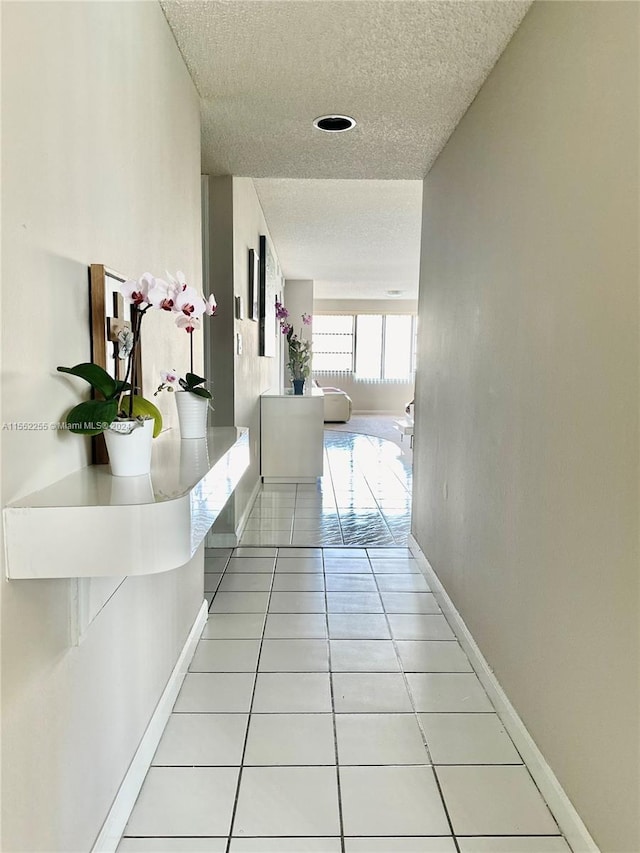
pixel 179 281
pixel 189 324
pixel 210 305
pixel 163 295
pixel 137 292
pixel 188 302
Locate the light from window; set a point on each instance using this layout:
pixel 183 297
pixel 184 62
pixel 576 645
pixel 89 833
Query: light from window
pixel 398 339
pixel 375 347
pixel 332 343
pixel 369 346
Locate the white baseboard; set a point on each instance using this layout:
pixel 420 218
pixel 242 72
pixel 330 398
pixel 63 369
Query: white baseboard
pixel 247 510
pixel 116 821
pixel 376 412
pixel 231 540
pixel 561 807
pixel 221 540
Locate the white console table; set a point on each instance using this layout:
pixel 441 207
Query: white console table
pixel 91 524
pixel 292 437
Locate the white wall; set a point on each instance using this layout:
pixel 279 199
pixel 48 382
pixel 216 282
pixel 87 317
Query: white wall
pixel 365 306
pixel 100 163
pixel 236 223
pixel 384 397
pixel 254 374
pixel 387 398
pixel 526 446
pixel 298 299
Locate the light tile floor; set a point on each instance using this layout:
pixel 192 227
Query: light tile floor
pixel 328 707
pixel 363 498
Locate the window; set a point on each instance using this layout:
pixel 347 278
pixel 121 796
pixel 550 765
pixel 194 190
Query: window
pixel 369 346
pixel 332 343
pixel 398 338
pixel 375 347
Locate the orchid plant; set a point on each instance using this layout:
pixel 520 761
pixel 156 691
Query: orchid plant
pixel 117 399
pixel 191 307
pixel 299 362
pixel 172 382
pixel 174 296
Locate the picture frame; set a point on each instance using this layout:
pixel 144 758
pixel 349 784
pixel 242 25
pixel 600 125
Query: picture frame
pixel 254 277
pixel 269 281
pixel 239 308
pixel 108 315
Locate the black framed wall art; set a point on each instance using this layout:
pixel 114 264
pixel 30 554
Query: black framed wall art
pixel 268 290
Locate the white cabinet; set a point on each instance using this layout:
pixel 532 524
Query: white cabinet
pixel 292 437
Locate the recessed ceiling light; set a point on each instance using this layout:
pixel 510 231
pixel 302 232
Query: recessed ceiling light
pixel 395 292
pixel 334 123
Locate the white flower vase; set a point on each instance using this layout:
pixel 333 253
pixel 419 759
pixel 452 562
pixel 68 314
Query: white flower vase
pixel 192 414
pixel 129 491
pixel 129 448
pixel 194 461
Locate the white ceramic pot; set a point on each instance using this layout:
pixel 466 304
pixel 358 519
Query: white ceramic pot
pixel 192 414
pixel 194 461
pixel 129 449
pixel 129 491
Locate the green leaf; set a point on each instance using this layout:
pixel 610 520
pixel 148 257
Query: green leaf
pixel 193 380
pixel 96 376
pixel 145 408
pixel 201 392
pixel 92 417
pixel 121 386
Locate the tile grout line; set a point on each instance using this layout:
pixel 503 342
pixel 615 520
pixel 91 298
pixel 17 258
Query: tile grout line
pixel 215 592
pixel 350 508
pixel 379 508
pixel 318 539
pixel 253 693
pixel 415 712
pixel 333 489
pixel 402 670
pixel 333 711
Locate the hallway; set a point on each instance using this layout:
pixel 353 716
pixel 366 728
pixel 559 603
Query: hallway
pixel 328 706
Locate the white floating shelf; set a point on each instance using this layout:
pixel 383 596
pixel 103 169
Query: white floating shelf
pixel 91 524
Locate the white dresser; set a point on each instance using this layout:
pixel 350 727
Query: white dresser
pixel 292 436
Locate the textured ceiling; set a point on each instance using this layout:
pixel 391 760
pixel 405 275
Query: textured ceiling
pixel 355 239
pixel 406 70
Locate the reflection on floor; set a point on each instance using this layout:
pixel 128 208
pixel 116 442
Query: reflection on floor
pixel 330 709
pixel 364 498
pixel 382 426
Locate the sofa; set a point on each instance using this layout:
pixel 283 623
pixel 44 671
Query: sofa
pixel 337 405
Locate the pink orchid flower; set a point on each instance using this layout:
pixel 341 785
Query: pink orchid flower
pixel 169 377
pixel 281 311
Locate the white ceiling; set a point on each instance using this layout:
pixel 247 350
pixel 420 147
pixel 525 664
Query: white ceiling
pixel 406 70
pixel 354 238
